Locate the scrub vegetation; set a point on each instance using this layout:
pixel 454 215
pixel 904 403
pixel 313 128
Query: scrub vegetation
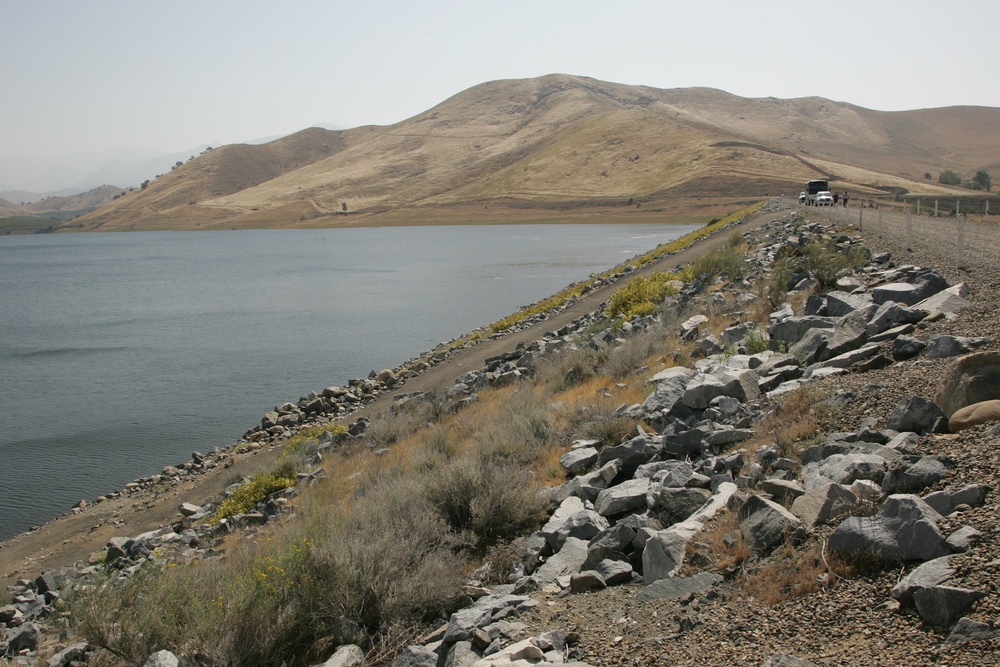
pixel 425 500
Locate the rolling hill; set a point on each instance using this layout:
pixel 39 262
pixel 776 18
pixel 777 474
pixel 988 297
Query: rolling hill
pixel 561 145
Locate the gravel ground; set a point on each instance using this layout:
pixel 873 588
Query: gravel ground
pixel 853 621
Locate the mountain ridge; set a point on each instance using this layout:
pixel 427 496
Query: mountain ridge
pixel 561 138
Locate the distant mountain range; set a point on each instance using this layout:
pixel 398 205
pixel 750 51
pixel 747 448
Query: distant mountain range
pixel 61 207
pixel 560 143
pixel 30 179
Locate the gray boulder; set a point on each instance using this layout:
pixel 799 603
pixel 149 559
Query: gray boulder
pixel 906 477
pixel 849 334
pixel 963 539
pixel 672 505
pixel 793 329
pixel 663 554
pixel 569 560
pixel 666 473
pixel 907 347
pixel 65 657
pixel 416 656
pixel 840 303
pixel 891 315
pixel 917 414
pixel 931 573
pixel 967 630
pixel 464 622
pixel 347 655
pixel 587 580
pixel 615 572
pixel 618 537
pixel 676 588
pixel 903 529
pixel 844 469
pixel 950 300
pixel 823 504
pixel 580 460
pixel 583 525
pixel 905 293
pixel 783 491
pixel 461 654
pixel 587 486
pixel 631 454
pixel 566 509
pixel 944 346
pixel 765 523
pixel 940 606
pixel 163 658
pixel 741 384
pixel 812 345
pixel 629 496
pixel 666 398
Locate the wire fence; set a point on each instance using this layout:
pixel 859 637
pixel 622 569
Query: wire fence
pixel 958 241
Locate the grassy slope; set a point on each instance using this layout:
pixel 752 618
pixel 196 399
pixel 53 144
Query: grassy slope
pixel 561 139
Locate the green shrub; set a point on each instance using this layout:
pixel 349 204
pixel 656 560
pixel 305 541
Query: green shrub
pixel 254 608
pixel 389 560
pixel 643 295
pixel 518 433
pixel 627 358
pixel 730 262
pixel 758 340
pixel 775 287
pixel 824 262
pixel 256 491
pixel 568 368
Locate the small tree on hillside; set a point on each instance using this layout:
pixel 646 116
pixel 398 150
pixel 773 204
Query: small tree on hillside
pixel 982 180
pixel 948 177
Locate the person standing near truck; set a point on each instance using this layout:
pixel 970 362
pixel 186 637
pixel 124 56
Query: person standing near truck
pixel 846 197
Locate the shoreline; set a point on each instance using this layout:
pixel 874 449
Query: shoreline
pixel 152 502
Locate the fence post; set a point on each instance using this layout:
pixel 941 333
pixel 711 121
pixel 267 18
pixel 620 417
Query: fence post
pixel 960 246
pixel 909 230
pixel 986 212
pixel 957 208
pixel 861 215
pixel 880 228
pixel 918 206
pixel 935 208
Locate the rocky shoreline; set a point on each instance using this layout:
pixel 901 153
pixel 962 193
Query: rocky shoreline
pixel 633 516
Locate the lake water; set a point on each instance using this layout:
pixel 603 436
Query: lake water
pixel 123 353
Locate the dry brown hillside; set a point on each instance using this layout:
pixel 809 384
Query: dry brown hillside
pixel 84 201
pixel 8 209
pixel 562 143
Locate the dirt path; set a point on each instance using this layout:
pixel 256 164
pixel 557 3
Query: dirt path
pixel 73 537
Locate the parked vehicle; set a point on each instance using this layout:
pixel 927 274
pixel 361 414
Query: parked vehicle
pixel 802 197
pixel 813 188
pixel 824 199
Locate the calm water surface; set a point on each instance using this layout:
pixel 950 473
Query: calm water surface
pixel 122 353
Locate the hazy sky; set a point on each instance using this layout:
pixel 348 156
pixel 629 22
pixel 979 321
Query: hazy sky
pixel 88 76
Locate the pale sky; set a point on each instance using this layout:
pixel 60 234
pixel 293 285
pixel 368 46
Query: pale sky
pixel 92 75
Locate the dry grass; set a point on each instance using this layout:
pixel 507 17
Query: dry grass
pixel 795 419
pixel 788 573
pixel 587 410
pixel 722 543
